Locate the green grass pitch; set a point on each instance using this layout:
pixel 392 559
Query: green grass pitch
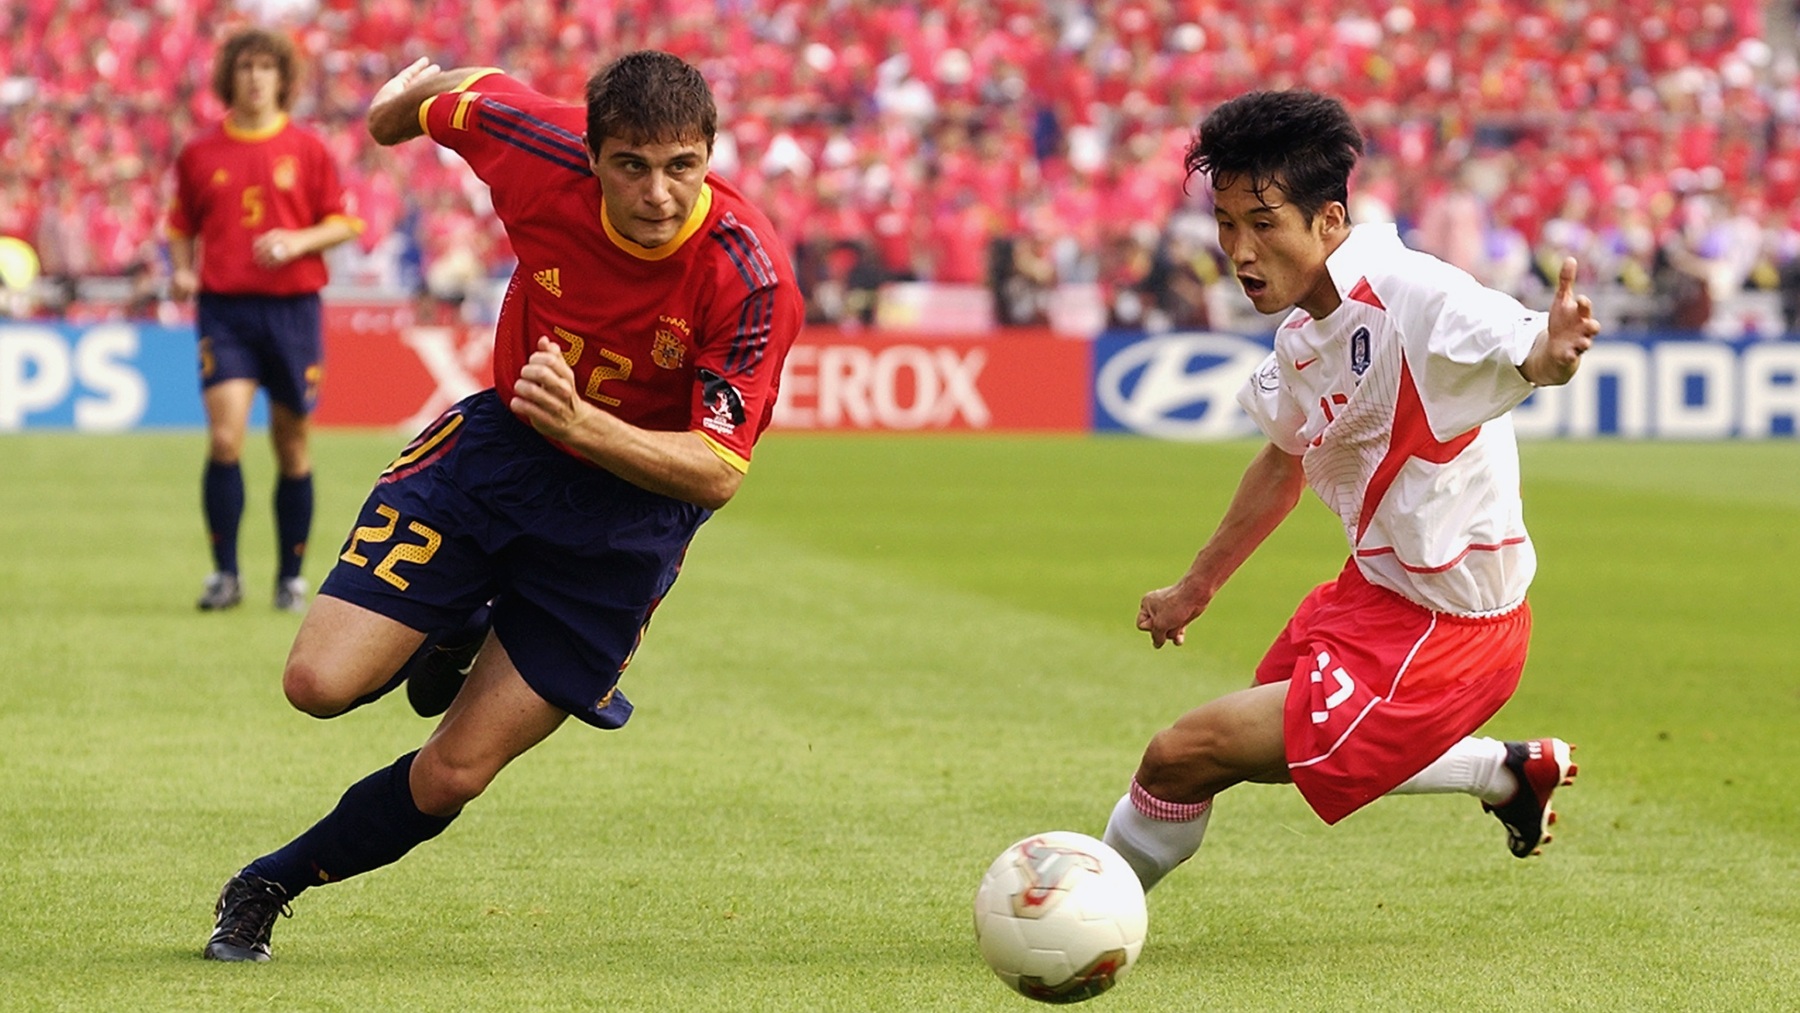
pixel 887 660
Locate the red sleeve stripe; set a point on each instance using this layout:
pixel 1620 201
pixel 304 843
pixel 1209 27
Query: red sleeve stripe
pixel 538 137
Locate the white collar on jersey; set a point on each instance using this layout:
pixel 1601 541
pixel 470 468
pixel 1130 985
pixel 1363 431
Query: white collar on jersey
pixel 1366 242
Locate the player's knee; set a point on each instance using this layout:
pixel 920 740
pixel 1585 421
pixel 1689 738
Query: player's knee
pixel 1180 761
pixel 441 785
pixel 312 691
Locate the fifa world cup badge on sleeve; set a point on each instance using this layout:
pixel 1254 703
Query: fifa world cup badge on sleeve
pixel 724 401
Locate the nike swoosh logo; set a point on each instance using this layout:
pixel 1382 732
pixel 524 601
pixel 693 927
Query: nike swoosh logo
pixel 1305 363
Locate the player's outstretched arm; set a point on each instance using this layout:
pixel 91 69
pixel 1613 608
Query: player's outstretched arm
pixel 1571 331
pixel 394 110
pixel 1268 492
pixel 678 465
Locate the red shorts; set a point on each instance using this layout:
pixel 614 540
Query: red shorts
pixel 1379 687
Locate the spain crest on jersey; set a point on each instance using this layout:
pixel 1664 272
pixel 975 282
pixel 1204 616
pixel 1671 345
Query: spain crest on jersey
pixel 286 172
pixel 667 350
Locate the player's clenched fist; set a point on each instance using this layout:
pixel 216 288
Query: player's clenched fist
pixel 1165 614
pixel 544 394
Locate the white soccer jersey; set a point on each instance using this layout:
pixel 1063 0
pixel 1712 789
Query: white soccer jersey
pixel 1397 403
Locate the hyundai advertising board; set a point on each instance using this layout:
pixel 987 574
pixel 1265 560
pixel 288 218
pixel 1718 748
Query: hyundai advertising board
pixel 1664 386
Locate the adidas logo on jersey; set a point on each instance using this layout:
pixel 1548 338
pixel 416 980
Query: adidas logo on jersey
pixel 551 279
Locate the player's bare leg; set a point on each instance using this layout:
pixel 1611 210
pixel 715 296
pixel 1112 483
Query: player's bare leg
pixel 1227 741
pixel 227 405
pixel 496 718
pixel 1161 821
pixel 344 654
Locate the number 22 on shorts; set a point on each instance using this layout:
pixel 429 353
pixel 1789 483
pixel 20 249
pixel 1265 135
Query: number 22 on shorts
pixel 405 552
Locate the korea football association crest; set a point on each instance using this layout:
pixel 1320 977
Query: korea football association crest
pixel 1359 351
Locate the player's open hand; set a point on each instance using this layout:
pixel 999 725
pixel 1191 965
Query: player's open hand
pixel 1570 333
pixel 396 86
pixel 1166 612
pixel 544 395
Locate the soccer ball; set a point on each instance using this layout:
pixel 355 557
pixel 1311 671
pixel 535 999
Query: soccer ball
pixel 1060 917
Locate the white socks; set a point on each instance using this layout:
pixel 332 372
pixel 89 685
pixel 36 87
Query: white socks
pixel 1153 835
pixel 1471 767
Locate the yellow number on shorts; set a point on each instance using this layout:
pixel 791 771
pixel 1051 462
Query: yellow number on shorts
pixel 372 535
pixel 402 553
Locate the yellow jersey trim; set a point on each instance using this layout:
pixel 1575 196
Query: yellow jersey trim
pixel 696 218
pixel 357 225
pixel 461 115
pixel 463 85
pixel 725 454
pixel 240 134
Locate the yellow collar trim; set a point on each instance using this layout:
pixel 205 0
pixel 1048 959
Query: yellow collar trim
pixel 696 218
pixel 238 133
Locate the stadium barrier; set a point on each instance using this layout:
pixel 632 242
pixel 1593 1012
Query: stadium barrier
pixel 382 370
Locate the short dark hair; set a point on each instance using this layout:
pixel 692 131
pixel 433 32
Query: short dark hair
pixel 1301 141
pixel 650 96
pixel 255 41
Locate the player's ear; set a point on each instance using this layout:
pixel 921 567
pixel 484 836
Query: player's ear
pixel 1334 217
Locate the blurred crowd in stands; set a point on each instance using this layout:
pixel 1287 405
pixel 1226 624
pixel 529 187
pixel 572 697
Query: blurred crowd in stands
pixel 1031 148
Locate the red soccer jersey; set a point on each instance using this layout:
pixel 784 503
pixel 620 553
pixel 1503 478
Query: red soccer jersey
pixel 687 336
pixel 232 186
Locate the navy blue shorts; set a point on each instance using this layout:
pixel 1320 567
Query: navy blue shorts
pixel 574 558
pixel 272 339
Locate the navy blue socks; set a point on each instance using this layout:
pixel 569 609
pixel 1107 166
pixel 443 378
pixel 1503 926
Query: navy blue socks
pixel 374 824
pixel 222 492
pixel 293 521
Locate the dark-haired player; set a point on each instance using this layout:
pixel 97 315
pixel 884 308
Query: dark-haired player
pixel 257 201
pixel 635 364
pixel 1388 393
